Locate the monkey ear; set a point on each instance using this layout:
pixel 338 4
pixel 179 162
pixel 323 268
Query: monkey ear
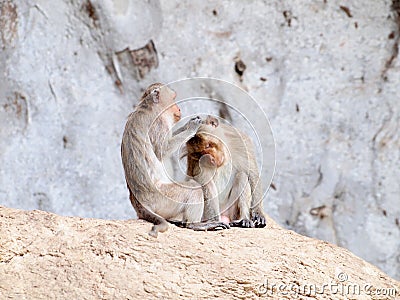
pixel 212 121
pixel 155 95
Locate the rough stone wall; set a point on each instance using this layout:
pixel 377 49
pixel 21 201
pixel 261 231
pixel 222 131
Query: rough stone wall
pixel 326 73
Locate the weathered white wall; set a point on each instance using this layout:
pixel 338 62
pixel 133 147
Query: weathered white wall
pixel 331 90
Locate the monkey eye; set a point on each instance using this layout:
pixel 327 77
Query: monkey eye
pixel 208 145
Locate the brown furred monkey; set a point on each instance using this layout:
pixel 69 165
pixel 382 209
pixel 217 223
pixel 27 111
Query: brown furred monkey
pixel 154 197
pixel 237 176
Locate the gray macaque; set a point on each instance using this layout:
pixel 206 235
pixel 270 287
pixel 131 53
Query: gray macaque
pixel 236 172
pixel 147 139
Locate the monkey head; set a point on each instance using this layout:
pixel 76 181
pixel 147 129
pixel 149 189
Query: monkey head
pixel 167 99
pixel 163 98
pixel 208 145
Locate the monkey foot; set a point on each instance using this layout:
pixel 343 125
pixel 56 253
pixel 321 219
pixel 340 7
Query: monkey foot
pixel 258 220
pixel 208 226
pixel 244 223
pixel 153 233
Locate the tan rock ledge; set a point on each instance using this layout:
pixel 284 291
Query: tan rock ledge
pixel 46 256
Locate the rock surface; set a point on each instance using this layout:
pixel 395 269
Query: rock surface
pixel 326 73
pixel 46 256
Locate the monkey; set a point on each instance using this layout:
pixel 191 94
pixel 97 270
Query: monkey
pixel 146 140
pixel 240 195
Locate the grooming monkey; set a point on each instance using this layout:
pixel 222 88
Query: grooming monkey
pixel 236 174
pixel 147 139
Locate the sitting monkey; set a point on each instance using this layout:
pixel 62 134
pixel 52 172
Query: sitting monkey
pixel 236 171
pixel 154 197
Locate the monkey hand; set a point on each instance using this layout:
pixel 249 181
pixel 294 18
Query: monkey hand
pixel 193 125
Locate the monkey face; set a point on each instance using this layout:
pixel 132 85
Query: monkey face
pixel 176 112
pixel 167 98
pixel 205 144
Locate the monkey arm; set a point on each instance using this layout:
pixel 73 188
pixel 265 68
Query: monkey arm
pixel 211 202
pixel 179 130
pixel 181 135
pixel 194 123
pixel 208 169
pixel 176 141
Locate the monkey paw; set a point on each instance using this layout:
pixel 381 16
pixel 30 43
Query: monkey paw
pixel 153 233
pixel 244 223
pixel 258 219
pixel 194 124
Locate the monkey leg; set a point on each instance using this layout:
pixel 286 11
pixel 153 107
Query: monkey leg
pixel 160 224
pixel 240 197
pixel 211 219
pixel 235 218
pixel 257 214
